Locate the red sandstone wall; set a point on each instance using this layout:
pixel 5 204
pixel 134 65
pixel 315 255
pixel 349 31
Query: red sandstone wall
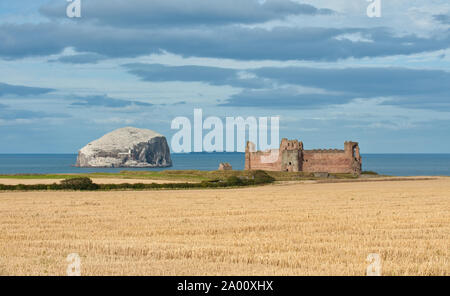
pixel 331 162
pixel 253 162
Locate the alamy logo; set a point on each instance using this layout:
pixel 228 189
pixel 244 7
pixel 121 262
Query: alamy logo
pixel 74 266
pixel 374 268
pixel 73 9
pixel 215 139
pixel 374 8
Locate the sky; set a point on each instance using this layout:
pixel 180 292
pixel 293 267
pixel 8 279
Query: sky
pixel 330 72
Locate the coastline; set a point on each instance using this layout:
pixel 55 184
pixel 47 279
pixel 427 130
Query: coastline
pixel 387 164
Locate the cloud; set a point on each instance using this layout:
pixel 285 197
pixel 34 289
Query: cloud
pixel 105 101
pixel 10 114
pixel 442 18
pixel 138 13
pixel 408 88
pixel 364 81
pixel 284 98
pixel 210 75
pixel 233 42
pixel 438 102
pixel 270 87
pixel 19 90
pixel 179 103
pixel 158 72
pixel 87 58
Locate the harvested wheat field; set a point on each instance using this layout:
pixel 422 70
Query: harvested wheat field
pixel 281 229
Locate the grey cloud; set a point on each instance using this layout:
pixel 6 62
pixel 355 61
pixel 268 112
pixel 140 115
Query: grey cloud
pixel 158 72
pixel 283 99
pixel 211 75
pixel 8 113
pixel 442 18
pixel 87 58
pixel 138 13
pixel 408 88
pixel 411 88
pixel 20 90
pixel 179 103
pixel 367 82
pixel 105 101
pixel 440 102
pixel 281 43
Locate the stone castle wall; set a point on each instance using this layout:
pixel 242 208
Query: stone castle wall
pixel 336 162
pixel 292 157
pixel 261 160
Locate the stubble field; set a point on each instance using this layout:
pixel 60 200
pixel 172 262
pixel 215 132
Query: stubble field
pixel 281 229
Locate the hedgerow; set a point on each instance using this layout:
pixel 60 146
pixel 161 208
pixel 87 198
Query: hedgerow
pixel 86 184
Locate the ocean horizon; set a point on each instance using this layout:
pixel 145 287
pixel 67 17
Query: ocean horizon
pixel 386 164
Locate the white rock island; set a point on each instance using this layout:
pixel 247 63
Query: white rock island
pixel 127 147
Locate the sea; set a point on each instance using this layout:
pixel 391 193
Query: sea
pixel 386 164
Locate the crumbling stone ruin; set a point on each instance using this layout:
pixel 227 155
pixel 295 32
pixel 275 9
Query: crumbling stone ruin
pixel 225 166
pixel 291 157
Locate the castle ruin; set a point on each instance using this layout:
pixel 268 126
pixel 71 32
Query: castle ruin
pixel 291 157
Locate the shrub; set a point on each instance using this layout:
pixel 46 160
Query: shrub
pixel 369 173
pixel 234 181
pixel 261 177
pixel 82 183
pixel 139 186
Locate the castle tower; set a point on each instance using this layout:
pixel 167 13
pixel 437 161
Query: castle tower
pixel 352 151
pixel 250 147
pixel 291 151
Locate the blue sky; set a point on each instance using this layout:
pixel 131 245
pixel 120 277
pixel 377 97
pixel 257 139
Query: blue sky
pixel 330 72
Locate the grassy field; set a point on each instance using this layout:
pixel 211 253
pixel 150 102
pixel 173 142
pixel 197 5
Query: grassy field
pixel 176 175
pixel 282 229
pixel 162 175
